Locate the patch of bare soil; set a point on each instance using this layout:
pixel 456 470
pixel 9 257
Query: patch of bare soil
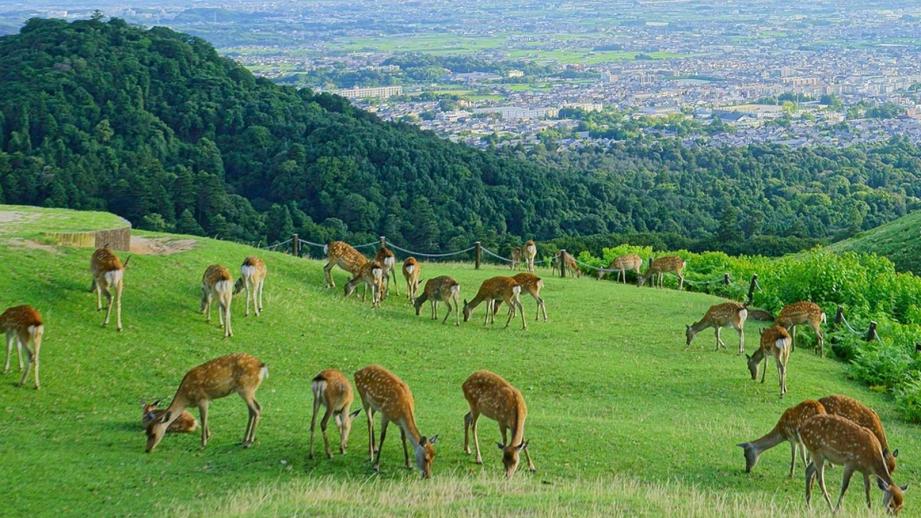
pixel 31 245
pixel 160 245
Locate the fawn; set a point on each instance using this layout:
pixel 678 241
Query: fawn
pixel 569 263
pixel 775 341
pixel 727 314
pixel 252 278
pixel 370 274
pixel 108 276
pixel 515 261
pixel 217 283
pixel 785 430
pixel 850 408
pixel 623 264
pixel 659 267
pixel 185 423
pixel 388 262
pixel 411 272
pixel 345 256
pixel 441 289
pixel 505 289
pixel 331 389
pixel 798 313
pixel 23 324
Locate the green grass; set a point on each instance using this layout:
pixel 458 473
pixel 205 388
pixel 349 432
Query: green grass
pixel 621 422
pixel 26 222
pixel 899 240
pixel 431 43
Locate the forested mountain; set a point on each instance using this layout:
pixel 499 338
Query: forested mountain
pixel 155 126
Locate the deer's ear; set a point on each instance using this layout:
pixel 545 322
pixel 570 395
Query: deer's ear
pixel 882 485
pixel 904 488
pixel 433 439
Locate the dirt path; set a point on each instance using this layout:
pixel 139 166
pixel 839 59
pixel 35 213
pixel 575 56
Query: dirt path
pixel 160 245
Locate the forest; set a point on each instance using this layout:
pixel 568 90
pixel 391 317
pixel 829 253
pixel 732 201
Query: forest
pixel 155 126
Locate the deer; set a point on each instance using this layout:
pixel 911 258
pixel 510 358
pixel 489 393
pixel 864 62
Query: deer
pixel 850 408
pixel 217 283
pixel 515 261
pixel 785 430
pixel 332 390
pixel 252 279
pixel 388 261
pixel 659 267
pixel 342 254
pixel 532 284
pixel 185 423
pixel 22 325
pixel 411 272
pixel 529 251
pixel 240 372
pixel 804 312
pixel 370 274
pixel 775 342
pixel 569 263
pixel 622 264
pixel 441 289
pixel 490 395
pixel 837 440
pixel 727 314
pixel 504 289
pixel 108 276
pixel 382 391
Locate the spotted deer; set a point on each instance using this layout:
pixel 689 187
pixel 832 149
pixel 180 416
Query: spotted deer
pixel 388 261
pixel 785 430
pixel 515 261
pixel 370 274
pixel 217 283
pixel 569 262
pixel 411 272
pixel 382 391
pixel 441 289
pixel 532 284
pixel 775 342
pixel 622 265
pixel 834 439
pixel 22 325
pixel 108 277
pixel 185 423
pixel 241 373
pixel 504 289
pixel 850 408
pixel 727 314
pixel 659 267
pixel 252 279
pixel 490 395
pixel 803 312
pixel 342 254
pixel 529 251
pixel 332 390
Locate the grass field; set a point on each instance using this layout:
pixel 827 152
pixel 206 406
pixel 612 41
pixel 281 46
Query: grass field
pixel 899 240
pixel 621 422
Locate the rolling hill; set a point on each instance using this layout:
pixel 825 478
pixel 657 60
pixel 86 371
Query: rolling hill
pixel 899 240
pixel 621 420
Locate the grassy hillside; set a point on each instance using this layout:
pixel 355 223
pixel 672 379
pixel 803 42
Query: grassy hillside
pixel 621 420
pixel 899 240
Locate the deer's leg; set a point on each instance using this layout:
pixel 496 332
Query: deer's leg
pixel 330 283
pixel 504 431
pixel 9 352
pixel 203 415
pixel 764 368
pixel 527 455
pixel 848 471
pixel 108 295
pixel 37 348
pixel 741 329
pixel 680 281
pixel 457 310
pixel 24 344
pixel 524 323
pixel 793 343
pixel 434 309
pixel 98 289
pixel 543 307
pixel 405 449
pixel 793 446
pixel 323 425
pixel 369 414
pixel 447 313
pixel 380 444
pixel 254 412
pixel 474 420
pixel 225 308
pixel 819 338
pixel 719 338
pixel 261 289
pixel 467 422
pixel 820 467
pixel 810 479
pixel 866 490
pixel 782 374
pixel 313 425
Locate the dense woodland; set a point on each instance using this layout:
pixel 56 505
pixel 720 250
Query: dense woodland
pixel 155 126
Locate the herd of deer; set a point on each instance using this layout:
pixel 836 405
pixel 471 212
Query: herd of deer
pixel 835 429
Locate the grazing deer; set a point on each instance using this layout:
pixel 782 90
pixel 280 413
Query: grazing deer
pixel 504 289
pixel 623 264
pixel 532 284
pixel 108 276
pixel 23 324
pixel 382 391
pixel 388 261
pixel 834 439
pixel 529 251
pixel 515 262
pixel 798 313
pixel 569 262
pixel 441 289
pixel 775 342
pixel 331 389
pixel 217 283
pixel 342 254
pixel 785 430
pixel 252 278
pixel 850 408
pixel 240 373
pixel 185 423
pixel 490 395
pixel 727 314
pixel 370 274
pixel 411 272
pixel 659 267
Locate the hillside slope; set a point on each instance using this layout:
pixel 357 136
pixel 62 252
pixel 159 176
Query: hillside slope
pixel 899 240
pixel 621 420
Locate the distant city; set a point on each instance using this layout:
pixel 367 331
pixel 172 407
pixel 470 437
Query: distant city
pixel 576 74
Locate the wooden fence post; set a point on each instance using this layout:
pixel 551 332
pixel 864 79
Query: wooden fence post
pixel 752 286
pixel 563 263
pixel 295 246
pixel 727 280
pixel 383 241
pixel 872 335
pixel 477 255
pixel 839 318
